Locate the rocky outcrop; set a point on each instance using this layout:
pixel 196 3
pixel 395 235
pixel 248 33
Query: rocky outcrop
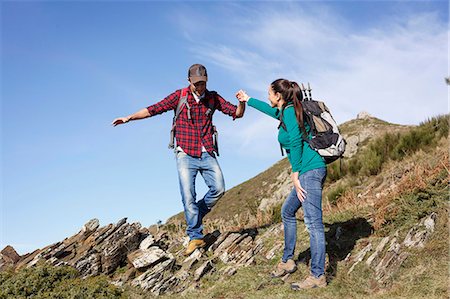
pixel 8 258
pixel 178 273
pixel 153 263
pixel 386 260
pixel 93 250
pixel 363 115
pixel 157 265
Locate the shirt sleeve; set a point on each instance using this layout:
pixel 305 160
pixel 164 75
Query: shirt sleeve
pixel 225 106
pixel 168 103
pixel 264 108
pixel 296 142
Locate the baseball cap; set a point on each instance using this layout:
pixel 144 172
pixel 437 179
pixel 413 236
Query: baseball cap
pixel 197 73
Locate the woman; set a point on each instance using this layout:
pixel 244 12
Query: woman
pixel 308 175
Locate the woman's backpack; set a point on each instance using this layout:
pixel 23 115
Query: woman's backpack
pixel 326 138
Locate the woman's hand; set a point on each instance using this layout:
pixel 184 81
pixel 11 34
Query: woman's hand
pixel 242 96
pixel 301 193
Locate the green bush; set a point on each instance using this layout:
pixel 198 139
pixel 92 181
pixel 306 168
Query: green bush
pixel 371 162
pixel 335 170
pixel 354 166
pixel 46 281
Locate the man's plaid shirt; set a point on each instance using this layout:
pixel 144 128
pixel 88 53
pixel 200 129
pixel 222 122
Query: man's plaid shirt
pixel 192 134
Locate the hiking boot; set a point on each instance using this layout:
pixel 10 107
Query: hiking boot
pixel 284 268
pixel 310 282
pixel 194 244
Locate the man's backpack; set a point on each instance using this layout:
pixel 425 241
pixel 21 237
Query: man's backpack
pixel 182 102
pixel 326 139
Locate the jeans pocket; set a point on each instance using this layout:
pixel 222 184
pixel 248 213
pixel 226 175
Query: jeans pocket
pixel 180 154
pixel 313 179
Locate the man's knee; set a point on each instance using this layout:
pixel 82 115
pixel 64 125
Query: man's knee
pixel 216 193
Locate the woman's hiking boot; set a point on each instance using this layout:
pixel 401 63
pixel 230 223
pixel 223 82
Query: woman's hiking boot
pixel 310 282
pixel 284 268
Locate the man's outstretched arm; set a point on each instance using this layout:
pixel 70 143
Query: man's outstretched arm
pixel 143 113
pixel 240 110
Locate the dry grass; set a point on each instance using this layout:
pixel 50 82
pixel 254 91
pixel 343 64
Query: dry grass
pixel 417 178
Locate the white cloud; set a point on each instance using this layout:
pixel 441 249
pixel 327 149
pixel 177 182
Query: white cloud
pixel 393 69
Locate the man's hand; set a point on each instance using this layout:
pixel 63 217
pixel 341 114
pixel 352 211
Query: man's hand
pixel 120 120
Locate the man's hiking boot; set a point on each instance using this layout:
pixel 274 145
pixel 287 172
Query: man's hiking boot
pixel 194 244
pixel 284 268
pixel 310 282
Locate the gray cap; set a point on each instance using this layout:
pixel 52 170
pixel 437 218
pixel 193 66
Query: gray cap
pixel 197 73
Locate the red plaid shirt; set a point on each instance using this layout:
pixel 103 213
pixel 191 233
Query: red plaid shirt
pixel 192 134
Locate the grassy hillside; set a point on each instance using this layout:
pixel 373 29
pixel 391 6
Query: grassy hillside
pixel 409 183
pixel 242 201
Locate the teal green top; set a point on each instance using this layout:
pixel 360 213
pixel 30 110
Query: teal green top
pixel 301 156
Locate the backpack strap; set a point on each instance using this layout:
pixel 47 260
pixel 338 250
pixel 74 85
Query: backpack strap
pixel 211 108
pixel 211 104
pixel 181 103
pixel 284 127
pixel 302 135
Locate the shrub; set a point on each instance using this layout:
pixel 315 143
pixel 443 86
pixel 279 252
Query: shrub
pixel 46 281
pixel 371 162
pixel 335 170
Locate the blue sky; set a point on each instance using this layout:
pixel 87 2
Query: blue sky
pixel 69 68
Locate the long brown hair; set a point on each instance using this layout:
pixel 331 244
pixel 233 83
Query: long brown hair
pixel 292 95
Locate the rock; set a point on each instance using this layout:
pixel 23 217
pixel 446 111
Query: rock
pixel 275 249
pixel 89 265
pixel 228 271
pixel 360 256
pixel 351 146
pixel 90 226
pixel 419 234
pixel 390 262
pixel 429 222
pixel 202 270
pixel 147 242
pixel 211 238
pixel 93 250
pixel 377 252
pixel 148 257
pixel 115 248
pixel 230 239
pixel 150 278
pixel 282 187
pixel 363 115
pixel 165 285
pixel 191 260
pixel 8 257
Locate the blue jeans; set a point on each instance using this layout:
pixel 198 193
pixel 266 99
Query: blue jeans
pixel 312 181
pixel 194 211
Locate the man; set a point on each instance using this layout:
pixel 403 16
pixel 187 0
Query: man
pixel 195 148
